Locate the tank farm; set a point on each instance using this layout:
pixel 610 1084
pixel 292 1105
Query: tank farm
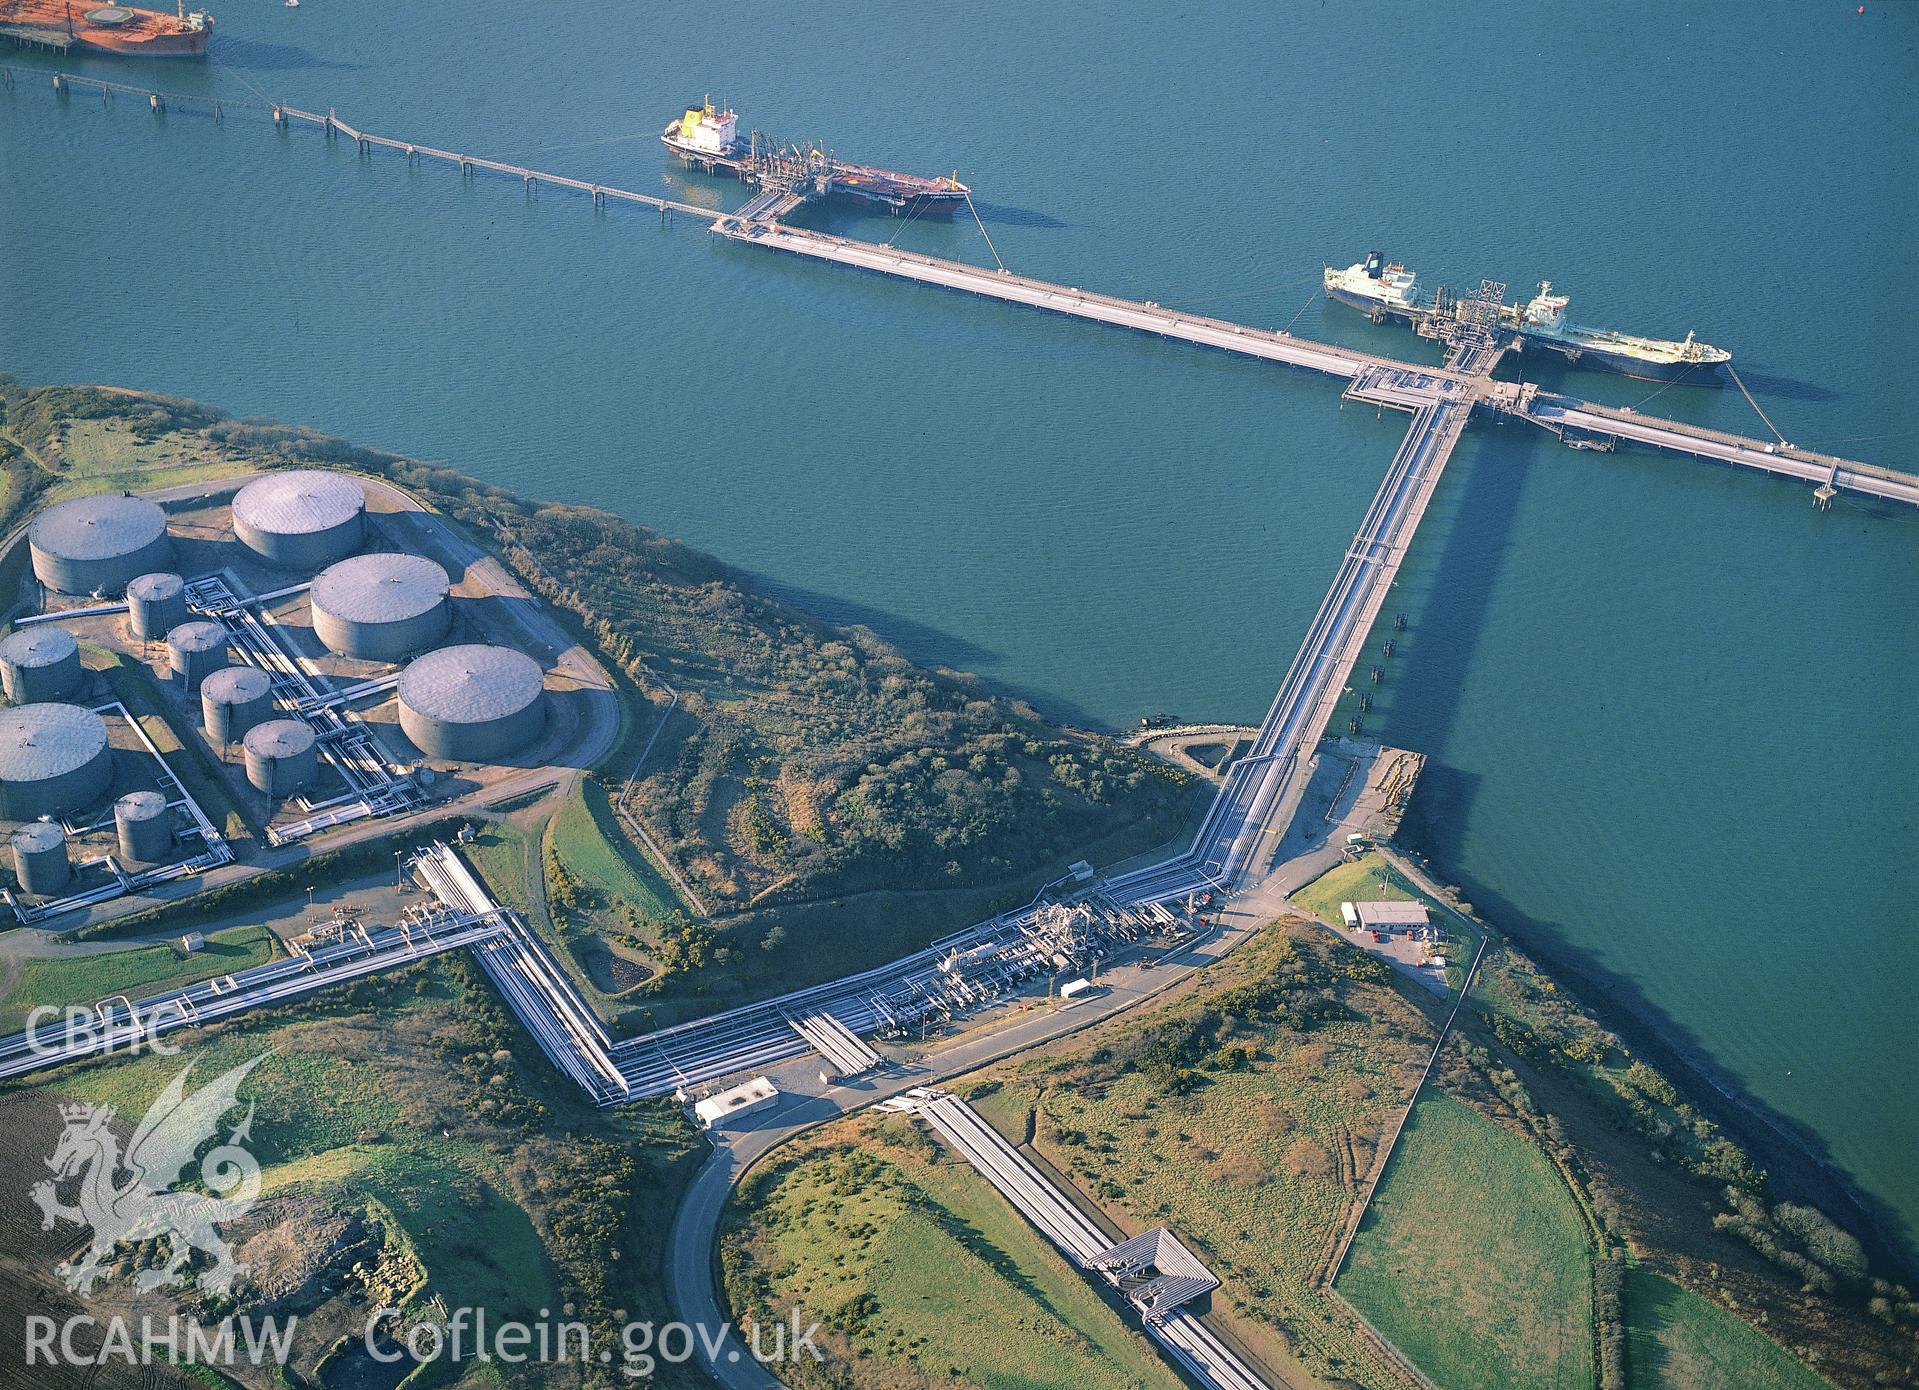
pixel 326 670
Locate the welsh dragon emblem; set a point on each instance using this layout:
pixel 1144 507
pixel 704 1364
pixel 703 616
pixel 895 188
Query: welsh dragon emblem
pixel 149 1202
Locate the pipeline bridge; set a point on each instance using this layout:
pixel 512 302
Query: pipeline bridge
pixel 1057 931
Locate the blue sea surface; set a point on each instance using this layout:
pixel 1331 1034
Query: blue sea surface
pixel 1670 710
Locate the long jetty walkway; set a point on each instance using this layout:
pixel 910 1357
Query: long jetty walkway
pixel 601 194
pixel 1515 398
pixel 1261 795
pixel 759 223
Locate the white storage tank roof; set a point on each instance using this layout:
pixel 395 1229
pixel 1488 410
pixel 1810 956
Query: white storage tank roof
pixel 54 758
pixel 98 543
pixel 472 702
pixel 380 607
pixel 39 663
pixel 301 519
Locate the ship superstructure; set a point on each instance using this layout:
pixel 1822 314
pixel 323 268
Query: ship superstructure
pixel 119 29
pixel 707 137
pixel 1381 290
pixel 705 131
pixel 1375 288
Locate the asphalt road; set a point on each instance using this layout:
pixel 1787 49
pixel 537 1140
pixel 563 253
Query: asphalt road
pixel 691 1287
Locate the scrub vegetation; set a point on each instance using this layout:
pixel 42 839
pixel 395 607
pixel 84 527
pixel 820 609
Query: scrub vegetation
pixel 417 1151
pixel 803 765
pixel 920 1273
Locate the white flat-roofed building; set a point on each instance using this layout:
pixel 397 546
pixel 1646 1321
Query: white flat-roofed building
pixel 1392 917
pixel 748 1096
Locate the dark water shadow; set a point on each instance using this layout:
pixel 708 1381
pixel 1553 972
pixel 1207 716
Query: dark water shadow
pixel 257 55
pixel 1798 1160
pixel 1467 573
pixel 1763 383
pixel 923 644
pixel 1005 215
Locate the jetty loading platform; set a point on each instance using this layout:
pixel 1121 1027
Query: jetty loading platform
pixel 1374 373
pixel 1261 794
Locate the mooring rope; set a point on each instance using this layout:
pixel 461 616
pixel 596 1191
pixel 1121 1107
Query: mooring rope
pixel 982 230
pixel 1753 403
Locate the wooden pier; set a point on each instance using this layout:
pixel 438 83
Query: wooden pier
pixel 35 36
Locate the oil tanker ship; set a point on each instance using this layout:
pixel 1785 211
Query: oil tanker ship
pixel 119 29
pixel 708 137
pixel 1383 291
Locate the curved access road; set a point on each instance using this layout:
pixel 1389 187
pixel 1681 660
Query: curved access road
pixel 691 1286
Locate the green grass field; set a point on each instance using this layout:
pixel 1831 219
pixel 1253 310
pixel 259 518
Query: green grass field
pixel 1677 1340
pixel 507 856
pixel 926 1277
pixel 142 970
pixel 1255 1164
pixel 1370 878
pixel 585 837
pixel 418 1105
pixel 1473 1259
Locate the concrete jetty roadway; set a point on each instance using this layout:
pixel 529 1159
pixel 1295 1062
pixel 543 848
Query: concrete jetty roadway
pixel 1848 475
pixel 1268 345
pixel 1261 794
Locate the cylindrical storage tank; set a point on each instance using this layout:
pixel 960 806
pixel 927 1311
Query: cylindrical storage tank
pixel 300 520
pixel 53 759
pixel 281 757
pixel 39 663
pixel 233 701
pixel 472 703
pixel 156 604
pixel 145 828
pixel 40 859
pixel 381 607
pixel 195 651
pixel 98 544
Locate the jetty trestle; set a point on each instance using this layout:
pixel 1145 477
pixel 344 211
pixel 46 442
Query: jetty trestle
pixel 787 178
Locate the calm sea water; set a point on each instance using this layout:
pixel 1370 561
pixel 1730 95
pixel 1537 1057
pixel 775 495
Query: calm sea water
pixel 1671 710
